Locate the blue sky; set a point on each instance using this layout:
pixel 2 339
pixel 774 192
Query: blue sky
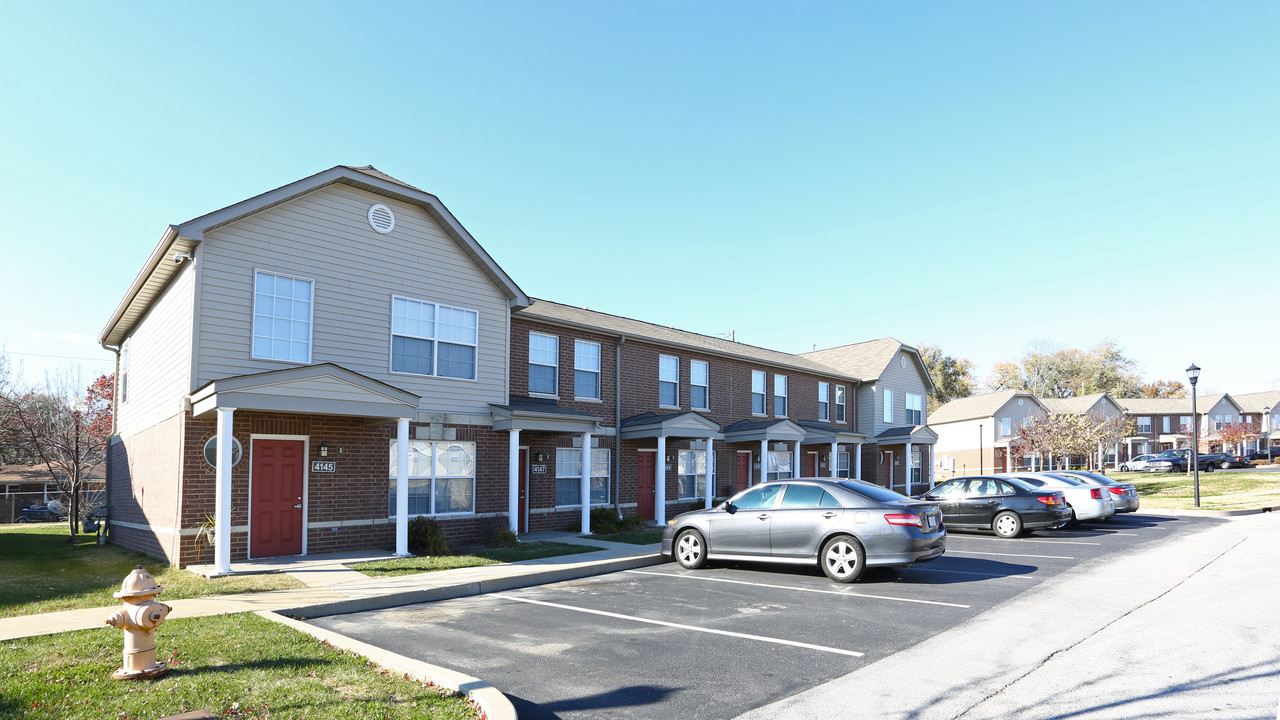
pixel 973 175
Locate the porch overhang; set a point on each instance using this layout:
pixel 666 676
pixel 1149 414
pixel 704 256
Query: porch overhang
pixel 539 415
pixel 914 434
pixel 324 389
pixel 823 434
pixel 686 424
pixel 764 431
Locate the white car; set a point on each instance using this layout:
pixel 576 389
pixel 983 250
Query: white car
pixel 1088 502
pixel 1137 464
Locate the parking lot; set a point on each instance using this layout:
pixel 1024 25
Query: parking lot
pixel 717 642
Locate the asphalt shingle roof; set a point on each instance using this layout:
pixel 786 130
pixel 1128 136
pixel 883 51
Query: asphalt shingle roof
pixel 974 406
pixel 864 360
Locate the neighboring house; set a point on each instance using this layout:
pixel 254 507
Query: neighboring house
pixel 891 405
pixel 1260 410
pixel 26 485
pixel 1100 406
pixel 974 433
pixel 1167 423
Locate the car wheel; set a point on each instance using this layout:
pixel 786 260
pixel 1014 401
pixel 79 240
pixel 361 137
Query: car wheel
pixel 1008 524
pixel 1209 467
pixel 691 550
pixel 22 520
pixel 1124 468
pixel 843 558
pixel 1224 465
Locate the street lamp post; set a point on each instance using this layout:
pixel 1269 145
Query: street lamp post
pixel 1266 413
pixel 1193 374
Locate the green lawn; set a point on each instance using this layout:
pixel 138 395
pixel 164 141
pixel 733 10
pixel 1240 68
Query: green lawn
pixel 644 536
pixel 236 666
pixel 41 572
pixel 414 565
pixel 1219 490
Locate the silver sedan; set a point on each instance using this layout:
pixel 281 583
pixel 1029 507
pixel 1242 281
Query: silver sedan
pixel 844 526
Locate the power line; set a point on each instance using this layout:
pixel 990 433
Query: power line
pixel 56 357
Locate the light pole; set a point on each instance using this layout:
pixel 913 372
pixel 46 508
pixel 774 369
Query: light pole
pixel 1266 412
pixel 980 449
pixel 1193 374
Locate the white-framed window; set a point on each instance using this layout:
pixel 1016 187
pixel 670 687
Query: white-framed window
pixel 50 492
pixel 668 381
pixel 839 403
pixel 282 308
pixel 842 464
pixel 824 401
pixel 1218 422
pixel 544 364
pixel 569 476
pixel 915 409
pixel 586 370
pixel 699 385
pixel 124 371
pixel 888 405
pixel 780 395
pixel 442 477
pixel 691 466
pixel 433 339
pixel 1184 423
pixel 757 392
pixel 1168 421
pixel 779 466
pixel 1006 427
pixel 1144 424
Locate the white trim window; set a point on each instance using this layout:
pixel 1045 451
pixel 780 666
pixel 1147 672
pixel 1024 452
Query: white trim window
pixel 691 466
pixel 282 308
pixel 544 364
pixel 1006 427
pixel 824 401
pixel 433 339
pixel 668 381
pixel 888 405
pixel 124 371
pixel 1184 423
pixel 915 409
pixel 1144 424
pixel 699 385
pixel 569 476
pixel 842 464
pixel 779 395
pixel 757 392
pixel 586 370
pixel 1168 421
pixel 779 466
pixel 840 416
pixel 442 477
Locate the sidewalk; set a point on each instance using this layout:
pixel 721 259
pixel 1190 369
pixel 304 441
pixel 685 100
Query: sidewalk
pixel 333 588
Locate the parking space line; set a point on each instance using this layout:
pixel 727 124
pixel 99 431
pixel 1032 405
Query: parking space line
pixel 800 589
pixel 998 576
pixel 1059 542
pixel 678 626
pixel 975 552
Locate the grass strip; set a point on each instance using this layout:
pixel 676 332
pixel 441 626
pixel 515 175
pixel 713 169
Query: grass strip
pixel 494 556
pixel 645 536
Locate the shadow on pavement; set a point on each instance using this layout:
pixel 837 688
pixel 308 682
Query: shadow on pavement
pixel 630 696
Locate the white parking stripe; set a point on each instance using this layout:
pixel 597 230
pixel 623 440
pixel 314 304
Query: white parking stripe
pixel 801 589
pixel 997 576
pixel 975 552
pixel 1033 540
pixel 761 638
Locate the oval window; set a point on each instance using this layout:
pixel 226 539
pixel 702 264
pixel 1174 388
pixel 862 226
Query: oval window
pixel 211 452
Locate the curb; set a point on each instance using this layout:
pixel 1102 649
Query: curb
pixel 492 703
pixel 1206 513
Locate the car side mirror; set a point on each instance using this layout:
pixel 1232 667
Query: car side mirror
pixel 730 507
pixel 928 496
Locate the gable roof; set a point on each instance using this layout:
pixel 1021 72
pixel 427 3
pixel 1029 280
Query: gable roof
pixel 868 359
pixel 1255 402
pixel 1173 406
pixel 582 318
pixel 158 270
pixel 977 406
pixel 1078 405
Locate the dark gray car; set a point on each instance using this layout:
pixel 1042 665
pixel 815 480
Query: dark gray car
pixel 844 526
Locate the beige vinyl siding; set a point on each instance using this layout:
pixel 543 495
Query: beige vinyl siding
pixel 325 237
pixel 160 357
pixel 901 381
pixel 1016 414
pixel 955 437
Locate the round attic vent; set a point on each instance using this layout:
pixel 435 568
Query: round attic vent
pixel 381 218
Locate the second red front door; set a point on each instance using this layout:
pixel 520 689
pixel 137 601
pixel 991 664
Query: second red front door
pixel 275 526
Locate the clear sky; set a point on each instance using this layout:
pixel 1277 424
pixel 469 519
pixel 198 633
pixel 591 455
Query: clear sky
pixel 974 175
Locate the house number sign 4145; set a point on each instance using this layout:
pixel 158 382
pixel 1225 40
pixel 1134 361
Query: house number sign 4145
pixel 324 466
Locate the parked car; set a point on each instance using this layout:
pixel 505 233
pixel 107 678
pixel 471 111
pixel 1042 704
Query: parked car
pixel 39 513
pixel 1263 455
pixel 844 526
pixel 1225 460
pixel 1177 461
pixel 1006 506
pixel 1124 494
pixel 1137 464
pixel 1088 502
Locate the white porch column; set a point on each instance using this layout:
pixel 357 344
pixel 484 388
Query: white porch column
pixel 660 483
pixel 584 488
pixel 711 461
pixel 795 461
pixel 932 463
pixel 222 494
pixel 831 461
pixel 764 460
pixel 857 461
pixel 513 481
pixel 1050 462
pixel 1117 450
pixel 402 487
pixel 906 482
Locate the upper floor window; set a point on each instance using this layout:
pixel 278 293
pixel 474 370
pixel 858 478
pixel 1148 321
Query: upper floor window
pixel 586 370
pixel 544 364
pixel 1006 427
pixel 824 401
pixel 668 381
pixel 431 339
pixel 780 395
pixel 1168 421
pixel 839 403
pixel 915 409
pixel 124 371
pixel 1144 424
pixel 281 317
pixel 699 385
pixel 757 392
pixel 888 406
pixel 1184 423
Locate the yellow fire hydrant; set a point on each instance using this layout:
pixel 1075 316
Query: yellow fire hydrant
pixel 139 618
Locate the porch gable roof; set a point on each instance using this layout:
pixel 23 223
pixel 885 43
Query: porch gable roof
pixel 324 389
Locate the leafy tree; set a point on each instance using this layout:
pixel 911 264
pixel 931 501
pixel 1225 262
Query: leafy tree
pixel 952 377
pixel 1235 433
pixel 1046 371
pixel 1163 389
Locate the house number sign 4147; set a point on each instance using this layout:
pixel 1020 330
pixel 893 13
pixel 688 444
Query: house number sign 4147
pixel 324 466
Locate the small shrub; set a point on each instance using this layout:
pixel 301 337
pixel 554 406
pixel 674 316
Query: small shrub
pixel 502 537
pixel 604 521
pixel 633 522
pixel 426 537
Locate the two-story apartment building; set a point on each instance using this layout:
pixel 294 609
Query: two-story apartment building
pixel 1259 410
pixel 1167 423
pixel 975 433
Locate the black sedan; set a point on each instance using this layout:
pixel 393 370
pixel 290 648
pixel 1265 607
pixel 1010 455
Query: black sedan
pixel 843 526
pixel 1225 460
pixel 1007 506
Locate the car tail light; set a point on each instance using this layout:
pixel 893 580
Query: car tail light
pixel 1117 490
pixel 1049 499
pixel 903 519
pixel 1096 493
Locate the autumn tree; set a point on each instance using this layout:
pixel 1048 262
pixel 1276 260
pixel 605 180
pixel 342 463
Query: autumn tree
pixel 1162 389
pixel 952 377
pixel 1047 371
pixel 1235 433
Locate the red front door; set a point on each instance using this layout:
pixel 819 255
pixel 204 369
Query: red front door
pixel 275 527
pixel 523 505
pixel 645 486
pixel 810 465
pixel 744 470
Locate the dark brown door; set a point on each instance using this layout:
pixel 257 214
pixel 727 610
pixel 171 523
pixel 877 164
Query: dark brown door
pixel 276 505
pixel 523 505
pixel 645 486
pixel 744 470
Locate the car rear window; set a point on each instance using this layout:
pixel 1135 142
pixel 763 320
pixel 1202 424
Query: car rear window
pixel 873 492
